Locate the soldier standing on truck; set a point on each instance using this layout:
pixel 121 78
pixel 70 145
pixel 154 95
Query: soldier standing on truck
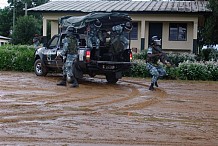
pixel 70 46
pixel 92 36
pixel 118 39
pixel 153 56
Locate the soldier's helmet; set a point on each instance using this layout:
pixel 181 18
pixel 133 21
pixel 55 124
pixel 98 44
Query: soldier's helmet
pixel 128 26
pixel 155 41
pixel 70 31
pixel 97 23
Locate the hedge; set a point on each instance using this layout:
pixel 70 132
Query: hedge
pixel 17 58
pixel 21 58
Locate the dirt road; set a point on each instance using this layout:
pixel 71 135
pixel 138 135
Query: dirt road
pixel 34 111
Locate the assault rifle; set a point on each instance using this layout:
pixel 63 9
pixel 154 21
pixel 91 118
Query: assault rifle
pixel 163 56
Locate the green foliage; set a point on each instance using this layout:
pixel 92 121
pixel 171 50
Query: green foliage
pixel 172 73
pixel 16 57
pixel 198 71
pixel 188 68
pixel 139 69
pixel 25 29
pixel 177 58
pixel 142 55
pixel 209 54
pixel 5 21
pixel 210 29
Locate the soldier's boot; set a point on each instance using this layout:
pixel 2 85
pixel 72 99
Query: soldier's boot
pixel 75 83
pixel 151 87
pixel 63 82
pixel 156 84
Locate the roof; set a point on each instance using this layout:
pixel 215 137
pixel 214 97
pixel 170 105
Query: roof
pixel 123 6
pixel 4 38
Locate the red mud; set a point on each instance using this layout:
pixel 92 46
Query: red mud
pixel 34 111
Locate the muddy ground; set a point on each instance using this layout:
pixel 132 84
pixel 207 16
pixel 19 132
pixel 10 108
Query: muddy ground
pixel 34 111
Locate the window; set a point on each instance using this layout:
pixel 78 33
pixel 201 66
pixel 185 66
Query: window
pixel 134 32
pixel 178 32
pixel 54 42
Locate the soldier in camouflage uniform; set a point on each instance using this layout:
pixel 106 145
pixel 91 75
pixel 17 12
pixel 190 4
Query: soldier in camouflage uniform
pixel 92 35
pixel 36 41
pixel 153 56
pixel 70 46
pixel 118 40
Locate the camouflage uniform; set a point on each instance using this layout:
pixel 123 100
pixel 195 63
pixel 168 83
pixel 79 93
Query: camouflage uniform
pixel 93 36
pixel 154 68
pixel 70 51
pixel 118 40
pixel 36 42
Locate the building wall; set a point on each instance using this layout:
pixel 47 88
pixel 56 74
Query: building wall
pixel 143 29
pixel 177 45
pixel 3 42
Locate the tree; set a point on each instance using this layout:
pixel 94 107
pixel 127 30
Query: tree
pixel 5 21
pixel 210 30
pixel 6 14
pixel 20 4
pixel 25 29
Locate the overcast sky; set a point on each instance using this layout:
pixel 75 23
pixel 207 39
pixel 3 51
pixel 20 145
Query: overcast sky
pixel 3 3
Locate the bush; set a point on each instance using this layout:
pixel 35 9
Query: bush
pixel 16 57
pixel 176 58
pixel 209 54
pixel 198 71
pixel 139 69
pixel 181 57
pixel 188 68
pixel 142 55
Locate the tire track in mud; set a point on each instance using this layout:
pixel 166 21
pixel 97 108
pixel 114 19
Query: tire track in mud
pixel 65 141
pixel 43 100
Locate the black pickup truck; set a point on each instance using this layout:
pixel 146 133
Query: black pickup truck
pixel 111 63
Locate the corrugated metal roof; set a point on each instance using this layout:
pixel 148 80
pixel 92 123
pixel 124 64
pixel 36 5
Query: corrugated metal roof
pixel 123 6
pixel 5 38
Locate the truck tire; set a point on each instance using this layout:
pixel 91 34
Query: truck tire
pixel 111 78
pixel 39 68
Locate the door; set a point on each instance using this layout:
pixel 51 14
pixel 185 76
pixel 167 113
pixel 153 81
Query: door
pixel 155 29
pixel 50 52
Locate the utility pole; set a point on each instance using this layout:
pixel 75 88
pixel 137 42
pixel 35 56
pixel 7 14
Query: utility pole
pixel 25 9
pixel 13 16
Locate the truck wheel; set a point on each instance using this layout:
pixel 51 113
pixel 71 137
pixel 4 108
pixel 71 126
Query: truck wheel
pixel 111 79
pixel 39 68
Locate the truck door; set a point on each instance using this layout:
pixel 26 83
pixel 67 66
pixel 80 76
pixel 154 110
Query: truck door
pixel 51 52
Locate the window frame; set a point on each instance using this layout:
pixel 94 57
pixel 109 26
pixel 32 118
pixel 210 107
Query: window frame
pixel 133 35
pixel 178 27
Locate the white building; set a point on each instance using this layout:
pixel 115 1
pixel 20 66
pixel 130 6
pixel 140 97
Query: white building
pixel 175 22
pixel 4 40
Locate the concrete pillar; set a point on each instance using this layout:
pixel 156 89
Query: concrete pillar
pixel 142 34
pixel 44 27
pixel 195 36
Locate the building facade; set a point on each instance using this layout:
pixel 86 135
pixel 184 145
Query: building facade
pixel 4 40
pixel 175 22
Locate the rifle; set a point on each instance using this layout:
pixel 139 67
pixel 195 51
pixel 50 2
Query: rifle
pixel 163 56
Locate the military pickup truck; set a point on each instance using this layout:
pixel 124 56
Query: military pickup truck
pixel 114 58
